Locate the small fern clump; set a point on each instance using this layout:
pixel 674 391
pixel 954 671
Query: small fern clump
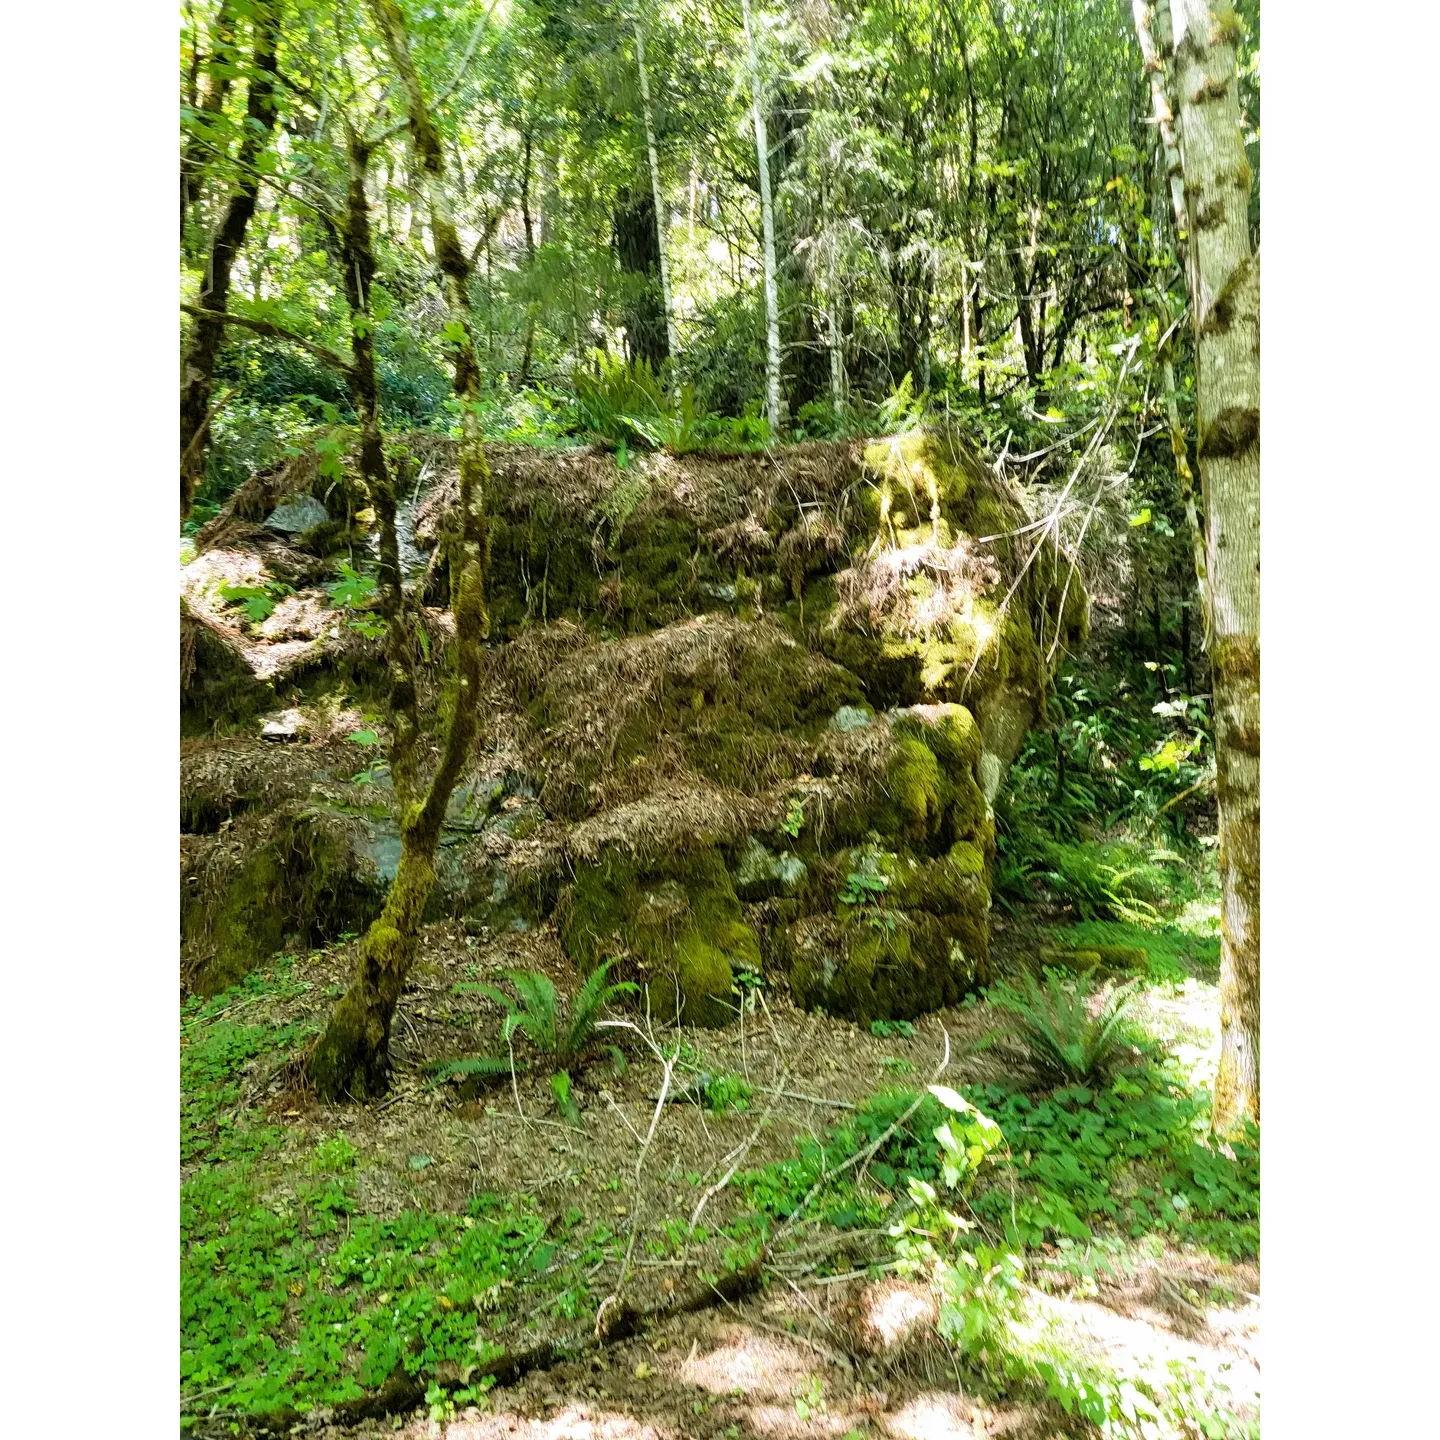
pixel 563 1034
pixel 1052 1031
pixel 560 1032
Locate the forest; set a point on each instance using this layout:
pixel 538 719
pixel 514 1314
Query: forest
pixel 719 718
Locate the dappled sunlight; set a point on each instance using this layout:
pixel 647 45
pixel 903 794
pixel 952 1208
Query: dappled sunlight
pixel 934 1416
pixel 757 1365
pixel 894 1311
pixel 575 1422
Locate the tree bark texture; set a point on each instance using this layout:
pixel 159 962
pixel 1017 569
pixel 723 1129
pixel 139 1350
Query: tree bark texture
pixel 1226 305
pixel 774 400
pixel 352 1058
pixel 198 369
pixel 659 201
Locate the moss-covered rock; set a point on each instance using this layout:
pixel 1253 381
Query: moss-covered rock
pixel 740 704
pixel 675 928
pixel 911 807
pixel 296 874
pixel 867 968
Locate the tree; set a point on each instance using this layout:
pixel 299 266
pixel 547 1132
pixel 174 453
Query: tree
pixel 352 1057
pixel 213 84
pixel 774 401
pixel 1225 304
pixel 198 368
pixel 657 196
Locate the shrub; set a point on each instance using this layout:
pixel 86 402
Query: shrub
pixel 1051 1028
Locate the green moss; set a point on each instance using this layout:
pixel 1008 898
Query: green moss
pixel 304 880
pixel 912 807
pixel 903 967
pixel 951 733
pixel 675 928
pixel 218 689
pixel 953 884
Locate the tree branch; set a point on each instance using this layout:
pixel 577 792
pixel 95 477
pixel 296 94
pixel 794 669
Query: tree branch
pixel 447 92
pixel 273 332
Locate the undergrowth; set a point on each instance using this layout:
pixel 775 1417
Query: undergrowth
pixel 291 1296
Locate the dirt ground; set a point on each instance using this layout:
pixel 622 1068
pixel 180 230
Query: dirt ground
pixel 814 1355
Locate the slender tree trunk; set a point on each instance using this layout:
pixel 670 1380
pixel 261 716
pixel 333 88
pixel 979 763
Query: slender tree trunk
pixel 210 102
pixel 1226 304
pixel 774 400
pixel 1183 473
pixel 659 199
pixel 529 351
pixel 352 1058
pixel 357 259
pixel 832 328
pixel 1163 117
pixel 198 370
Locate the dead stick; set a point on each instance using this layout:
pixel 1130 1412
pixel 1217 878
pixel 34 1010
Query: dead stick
pixel 867 1153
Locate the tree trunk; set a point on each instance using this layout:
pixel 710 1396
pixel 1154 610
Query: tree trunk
pixel 774 401
pixel 659 201
pixel 636 234
pixel 528 354
pixel 198 371
pixel 835 343
pixel 1226 304
pixel 352 1058
pixel 211 102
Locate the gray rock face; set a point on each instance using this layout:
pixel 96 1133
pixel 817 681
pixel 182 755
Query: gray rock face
pixel 296 515
pixel 762 875
pixel 850 717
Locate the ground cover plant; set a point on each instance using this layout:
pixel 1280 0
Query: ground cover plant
pixel 718 641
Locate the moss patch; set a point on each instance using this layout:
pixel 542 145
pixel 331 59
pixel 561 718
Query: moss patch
pixel 294 873
pixel 676 928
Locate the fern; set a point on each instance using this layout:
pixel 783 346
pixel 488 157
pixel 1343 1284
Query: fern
pixel 589 1001
pixel 564 1096
pixel 1051 1027
pixel 538 1014
pixel 485 1065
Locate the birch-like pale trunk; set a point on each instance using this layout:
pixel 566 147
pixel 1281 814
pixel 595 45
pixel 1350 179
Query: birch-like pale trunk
pixel 774 402
pixel 655 191
pixel 1225 279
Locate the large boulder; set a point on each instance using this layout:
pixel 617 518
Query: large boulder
pixel 762 705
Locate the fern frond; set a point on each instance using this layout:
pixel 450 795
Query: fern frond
pixel 589 1001
pixel 471 1065
pixel 537 1012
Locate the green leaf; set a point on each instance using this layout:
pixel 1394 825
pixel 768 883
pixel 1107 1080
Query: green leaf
pixel 365 737
pixel 1143 518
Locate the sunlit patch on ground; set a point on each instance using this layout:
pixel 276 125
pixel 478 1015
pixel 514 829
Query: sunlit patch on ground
pixel 575 1422
pixel 932 1417
pixel 893 1311
pixel 749 1363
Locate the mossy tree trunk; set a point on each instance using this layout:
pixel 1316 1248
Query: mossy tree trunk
pixel 198 370
pixel 1225 283
pixel 210 101
pixel 357 263
pixel 352 1058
